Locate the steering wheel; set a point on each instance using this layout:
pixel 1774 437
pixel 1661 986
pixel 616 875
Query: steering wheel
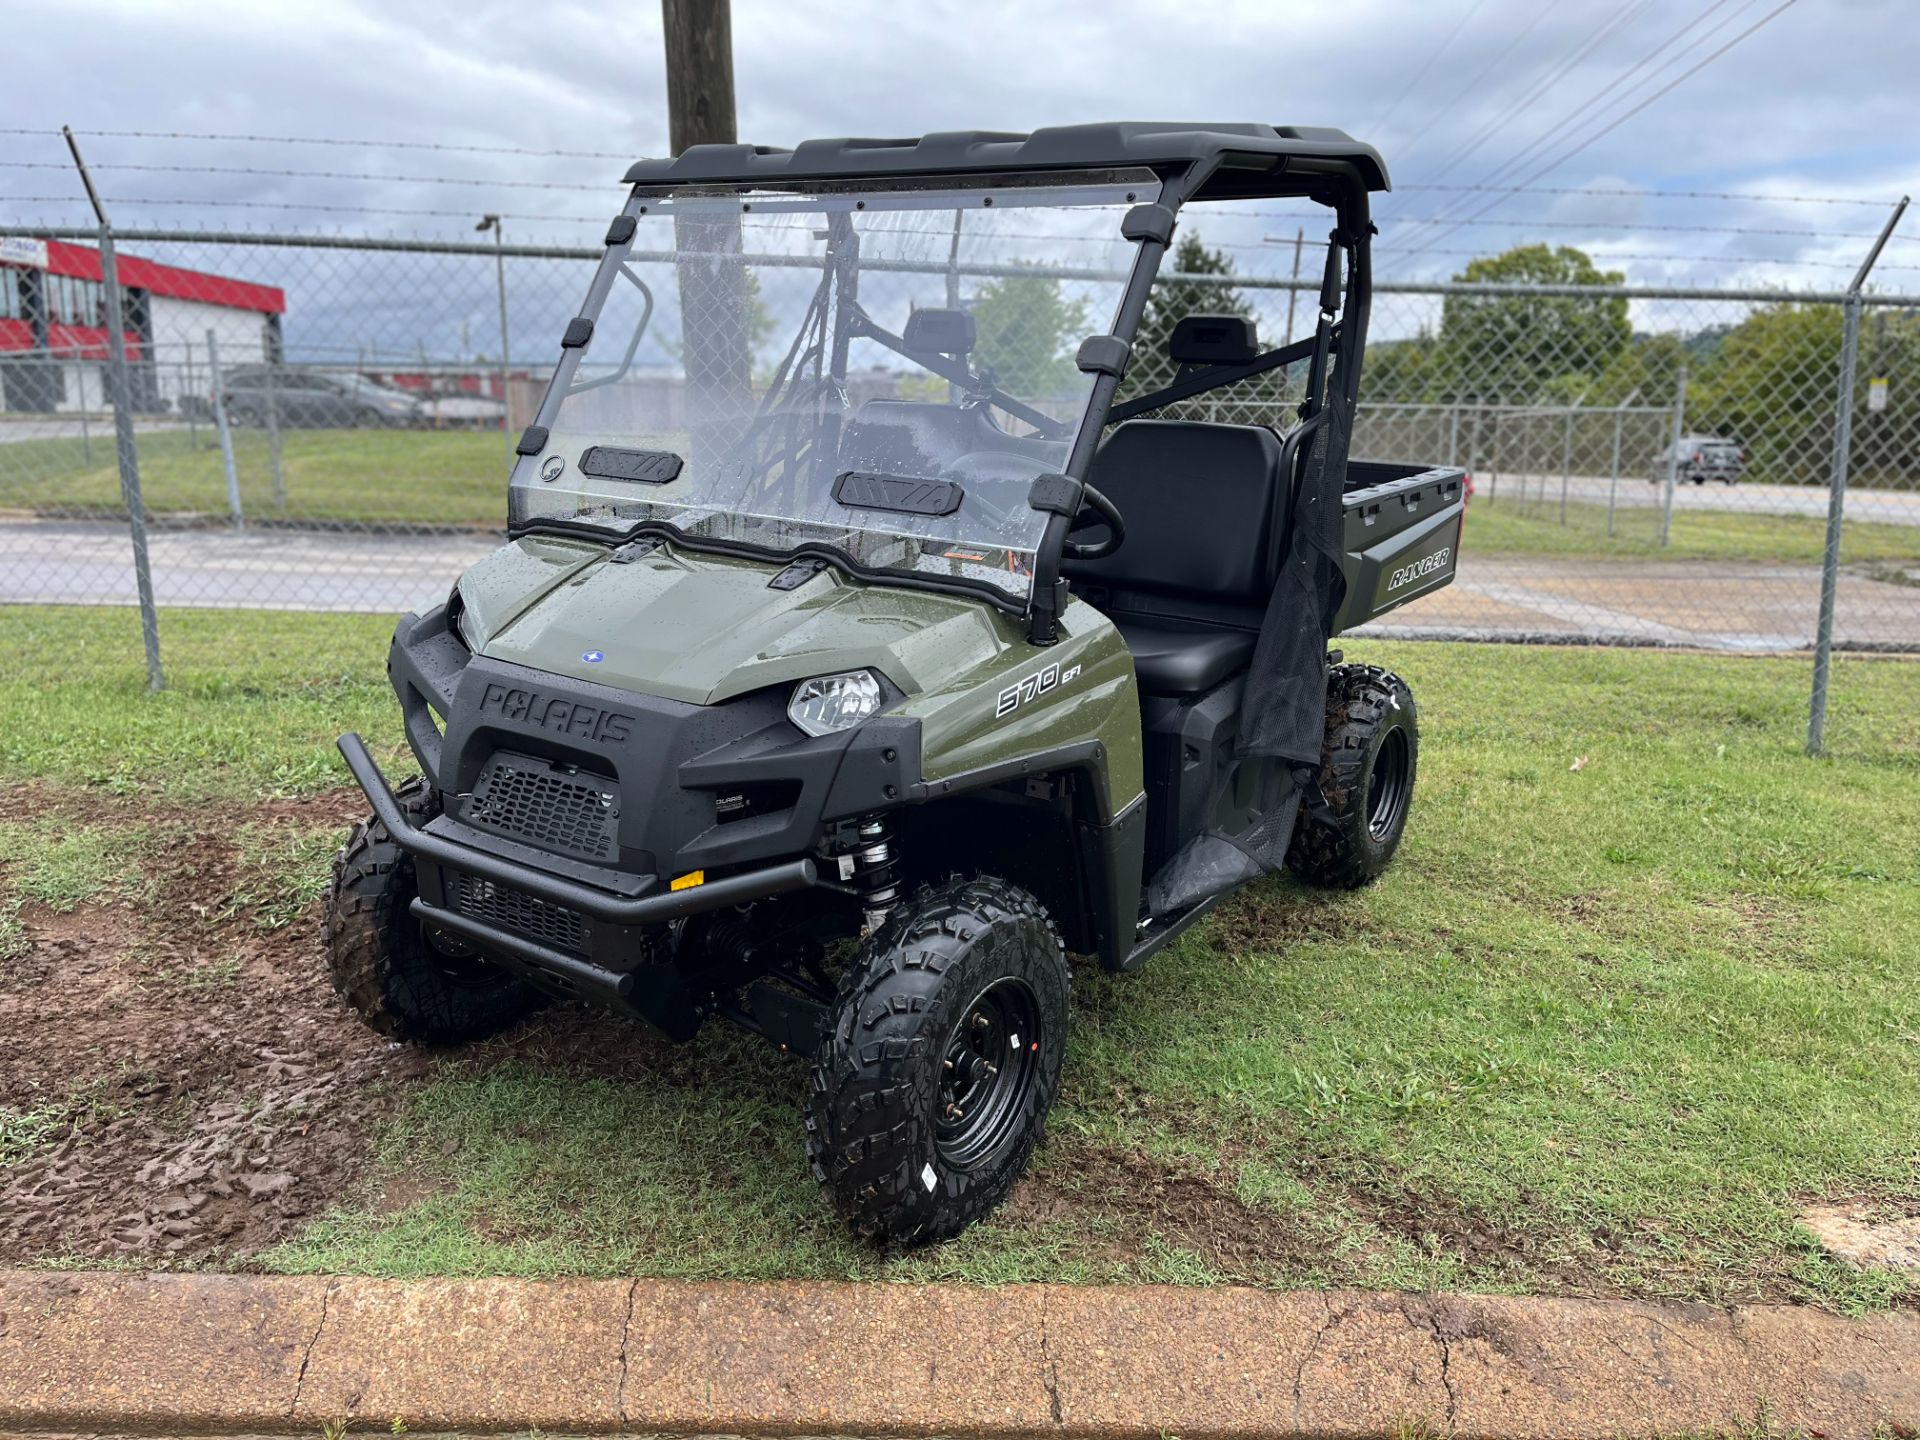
pixel 1105 512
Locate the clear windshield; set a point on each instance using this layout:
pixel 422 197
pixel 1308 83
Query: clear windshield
pixel 879 372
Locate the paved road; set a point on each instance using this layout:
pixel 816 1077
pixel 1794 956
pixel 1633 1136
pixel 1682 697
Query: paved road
pixel 91 563
pixel 1883 507
pixel 1715 605
pixel 68 427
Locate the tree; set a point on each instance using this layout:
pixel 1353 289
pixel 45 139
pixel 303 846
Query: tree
pixel 1171 300
pixel 1770 386
pixel 1025 333
pixel 1511 349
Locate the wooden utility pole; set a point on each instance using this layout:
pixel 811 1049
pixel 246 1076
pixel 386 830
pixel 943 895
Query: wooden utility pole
pixel 699 45
pixel 712 280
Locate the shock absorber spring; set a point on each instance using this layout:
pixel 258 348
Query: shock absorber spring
pixel 875 871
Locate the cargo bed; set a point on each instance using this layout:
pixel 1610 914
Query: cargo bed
pixel 1402 535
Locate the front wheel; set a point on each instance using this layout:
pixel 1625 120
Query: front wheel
pixel 1367 766
pixel 933 1085
pixel 401 980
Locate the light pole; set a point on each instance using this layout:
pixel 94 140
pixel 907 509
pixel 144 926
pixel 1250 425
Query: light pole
pixel 492 222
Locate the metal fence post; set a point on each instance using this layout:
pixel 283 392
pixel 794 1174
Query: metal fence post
pixel 120 396
pixel 224 426
pixel 1613 479
pixel 273 436
pixel 1673 455
pixel 1837 493
pixel 1566 466
pixel 190 402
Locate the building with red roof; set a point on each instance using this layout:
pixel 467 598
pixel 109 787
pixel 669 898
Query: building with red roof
pixel 53 326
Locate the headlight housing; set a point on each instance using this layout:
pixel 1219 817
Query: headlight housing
pixel 828 703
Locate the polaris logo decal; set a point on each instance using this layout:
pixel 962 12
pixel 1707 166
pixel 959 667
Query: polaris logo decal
pixel 1032 688
pixel 1419 569
pixel 573 718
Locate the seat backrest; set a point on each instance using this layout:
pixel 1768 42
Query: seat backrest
pixel 1200 502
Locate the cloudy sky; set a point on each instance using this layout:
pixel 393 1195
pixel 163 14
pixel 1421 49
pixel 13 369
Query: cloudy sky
pixel 1819 101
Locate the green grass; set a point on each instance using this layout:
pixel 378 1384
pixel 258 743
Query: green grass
pixel 252 707
pixel 63 866
pixel 1598 1029
pixel 458 478
pixel 1504 527
pixel 376 476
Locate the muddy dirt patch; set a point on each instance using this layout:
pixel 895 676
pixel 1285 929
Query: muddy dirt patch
pixel 184 1078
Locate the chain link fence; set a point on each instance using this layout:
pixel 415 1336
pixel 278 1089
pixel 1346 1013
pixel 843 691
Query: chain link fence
pixel 325 423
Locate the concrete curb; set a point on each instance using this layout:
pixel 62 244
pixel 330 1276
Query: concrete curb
pixel 230 1355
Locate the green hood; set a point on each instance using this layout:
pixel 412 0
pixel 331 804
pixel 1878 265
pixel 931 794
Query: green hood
pixel 704 628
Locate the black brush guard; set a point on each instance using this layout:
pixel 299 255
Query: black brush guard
pixel 651 992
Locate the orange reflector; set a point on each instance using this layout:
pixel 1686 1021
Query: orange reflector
pixel 688 880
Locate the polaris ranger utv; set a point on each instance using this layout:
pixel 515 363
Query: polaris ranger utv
pixel 838 679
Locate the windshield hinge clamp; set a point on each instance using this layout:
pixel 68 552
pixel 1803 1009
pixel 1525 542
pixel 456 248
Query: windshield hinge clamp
pixel 1103 355
pixel 797 574
pixel 634 550
pixel 1055 494
pixel 579 332
pixel 533 440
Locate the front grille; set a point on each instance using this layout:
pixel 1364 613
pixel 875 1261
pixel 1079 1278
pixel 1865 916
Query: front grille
pixel 528 799
pixel 524 914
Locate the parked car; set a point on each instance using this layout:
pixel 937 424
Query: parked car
pixel 462 410
pixel 315 399
pixel 1702 458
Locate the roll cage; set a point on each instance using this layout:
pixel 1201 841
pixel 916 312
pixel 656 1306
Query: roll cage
pixel 1192 163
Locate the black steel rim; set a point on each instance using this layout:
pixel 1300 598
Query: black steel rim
pixel 1387 794
pixel 988 1070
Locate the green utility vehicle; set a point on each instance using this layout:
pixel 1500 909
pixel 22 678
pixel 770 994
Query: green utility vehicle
pixel 845 672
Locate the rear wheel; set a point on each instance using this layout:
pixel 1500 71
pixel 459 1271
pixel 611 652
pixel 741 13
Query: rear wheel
pixel 933 1085
pixel 1368 762
pixel 402 980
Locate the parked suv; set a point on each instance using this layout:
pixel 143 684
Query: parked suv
pixel 315 399
pixel 1702 458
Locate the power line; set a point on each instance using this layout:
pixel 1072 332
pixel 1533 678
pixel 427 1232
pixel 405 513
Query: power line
pixel 1428 64
pixel 1615 124
pixel 1627 12
pixel 1514 161
pixel 1540 12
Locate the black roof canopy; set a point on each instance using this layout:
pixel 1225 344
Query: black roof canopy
pixel 1246 161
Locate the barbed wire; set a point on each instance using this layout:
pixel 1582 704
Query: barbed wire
pixel 206 135
pixel 1389 253
pixel 1647 192
pixel 360 176
pixel 202 204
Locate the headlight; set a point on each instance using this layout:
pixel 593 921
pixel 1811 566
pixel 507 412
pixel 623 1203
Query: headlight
pixel 833 702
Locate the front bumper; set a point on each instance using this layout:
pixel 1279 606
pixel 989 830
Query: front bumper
pixel 645 909
pixel 602 921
